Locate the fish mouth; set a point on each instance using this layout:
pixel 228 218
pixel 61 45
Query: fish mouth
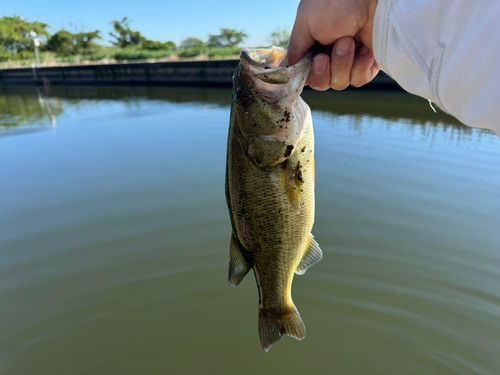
pixel 266 58
pixel 272 58
pixel 270 65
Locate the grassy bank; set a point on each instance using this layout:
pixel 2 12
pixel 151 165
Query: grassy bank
pixel 114 55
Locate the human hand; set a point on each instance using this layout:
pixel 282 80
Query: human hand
pixel 344 29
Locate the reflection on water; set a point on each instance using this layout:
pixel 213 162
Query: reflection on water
pixel 27 106
pixel 114 239
pixel 30 108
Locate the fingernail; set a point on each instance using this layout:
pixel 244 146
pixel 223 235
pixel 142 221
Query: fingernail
pixel 363 50
pixel 342 46
pixel 320 65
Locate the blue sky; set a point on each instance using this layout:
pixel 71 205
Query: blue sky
pixel 161 20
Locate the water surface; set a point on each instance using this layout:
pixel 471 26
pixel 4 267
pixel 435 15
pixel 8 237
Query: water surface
pixel 114 238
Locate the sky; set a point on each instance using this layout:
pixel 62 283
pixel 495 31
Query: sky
pixel 161 20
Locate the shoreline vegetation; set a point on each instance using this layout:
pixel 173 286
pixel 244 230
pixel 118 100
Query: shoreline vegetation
pixel 50 60
pixel 25 44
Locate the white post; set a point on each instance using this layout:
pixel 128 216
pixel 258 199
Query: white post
pixel 36 44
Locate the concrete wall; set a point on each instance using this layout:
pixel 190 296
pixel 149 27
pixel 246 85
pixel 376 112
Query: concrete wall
pixel 194 73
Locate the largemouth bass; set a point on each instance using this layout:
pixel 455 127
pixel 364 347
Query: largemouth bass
pixel 270 185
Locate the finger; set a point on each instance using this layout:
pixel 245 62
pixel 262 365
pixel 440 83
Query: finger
pixel 364 67
pixel 319 77
pixel 301 39
pixel 341 63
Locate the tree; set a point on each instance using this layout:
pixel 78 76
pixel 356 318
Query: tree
pixel 65 43
pixel 4 54
pixel 171 45
pixel 15 34
pixel 226 38
pixel 125 37
pixel 279 37
pixel 192 42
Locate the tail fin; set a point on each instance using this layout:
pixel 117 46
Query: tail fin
pixel 272 325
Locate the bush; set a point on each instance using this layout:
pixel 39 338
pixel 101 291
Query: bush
pixel 67 59
pixel 93 57
pixel 223 51
pixel 158 46
pixel 192 51
pixel 161 54
pixel 140 54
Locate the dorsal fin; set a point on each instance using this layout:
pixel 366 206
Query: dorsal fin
pixel 238 266
pixel 312 255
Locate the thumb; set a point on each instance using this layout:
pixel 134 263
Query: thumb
pixel 300 42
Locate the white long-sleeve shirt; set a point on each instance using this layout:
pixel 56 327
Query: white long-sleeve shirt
pixel 446 51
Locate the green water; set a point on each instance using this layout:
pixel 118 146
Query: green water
pixel 114 237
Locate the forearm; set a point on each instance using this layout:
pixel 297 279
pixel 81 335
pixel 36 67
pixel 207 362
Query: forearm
pixel 444 51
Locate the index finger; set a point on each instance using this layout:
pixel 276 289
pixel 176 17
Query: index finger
pixel 300 41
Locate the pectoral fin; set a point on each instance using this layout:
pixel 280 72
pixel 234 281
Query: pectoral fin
pixel 293 183
pixel 238 266
pixel 312 255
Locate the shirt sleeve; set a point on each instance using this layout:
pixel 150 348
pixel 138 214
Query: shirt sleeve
pixel 446 51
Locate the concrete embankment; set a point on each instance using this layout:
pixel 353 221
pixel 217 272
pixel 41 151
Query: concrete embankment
pixel 180 73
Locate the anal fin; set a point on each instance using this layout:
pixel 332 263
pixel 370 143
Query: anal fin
pixel 238 266
pixel 312 255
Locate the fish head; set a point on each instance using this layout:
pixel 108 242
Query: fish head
pixel 266 103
